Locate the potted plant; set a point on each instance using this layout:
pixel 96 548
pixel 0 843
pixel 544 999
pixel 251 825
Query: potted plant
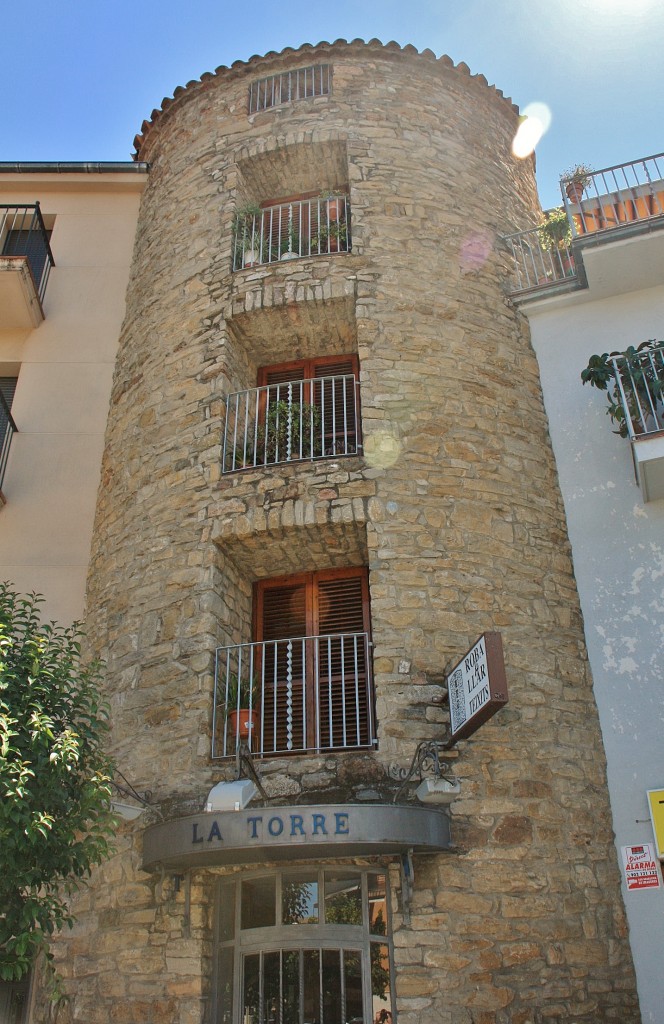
pixel 286 428
pixel 289 247
pixel 576 181
pixel 242 706
pixel 555 236
pixel 246 235
pixel 334 199
pixel 330 239
pixel 640 371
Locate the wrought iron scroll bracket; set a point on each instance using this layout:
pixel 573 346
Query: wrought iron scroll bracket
pixel 245 768
pixel 426 761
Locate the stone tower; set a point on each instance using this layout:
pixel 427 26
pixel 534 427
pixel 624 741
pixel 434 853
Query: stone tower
pixel 327 461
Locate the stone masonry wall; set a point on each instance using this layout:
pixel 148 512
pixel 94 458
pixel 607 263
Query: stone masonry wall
pixel 454 507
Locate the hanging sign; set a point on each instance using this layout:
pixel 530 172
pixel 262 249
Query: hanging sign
pixel 656 804
pixel 640 866
pixel 477 686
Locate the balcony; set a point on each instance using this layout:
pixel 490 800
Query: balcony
pixel 319 226
pixel 293 421
pixel 298 695
pixel 624 197
pixel 639 387
pixel 25 264
pixel 7 430
pixel 618 203
pixel 537 263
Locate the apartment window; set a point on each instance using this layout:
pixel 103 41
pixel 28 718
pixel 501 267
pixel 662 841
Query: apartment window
pixel 302 83
pixel 304 684
pixel 7 426
pixel 307 409
pixel 304 945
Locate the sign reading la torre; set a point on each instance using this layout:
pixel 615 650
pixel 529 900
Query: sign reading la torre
pixel 255 834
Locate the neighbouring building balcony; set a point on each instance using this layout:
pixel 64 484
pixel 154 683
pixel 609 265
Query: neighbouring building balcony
pixel 639 387
pixel 25 264
pixel 292 421
pixel 316 226
pixel 294 696
pixel 622 196
pixel 603 206
pixel 7 430
pixel 537 263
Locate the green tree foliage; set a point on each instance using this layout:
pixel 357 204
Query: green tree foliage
pixel 55 813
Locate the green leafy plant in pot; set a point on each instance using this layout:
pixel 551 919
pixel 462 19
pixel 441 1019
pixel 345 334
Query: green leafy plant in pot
pixel 246 236
pixel 242 696
pixel 288 431
pixel 641 373
pixel 576 180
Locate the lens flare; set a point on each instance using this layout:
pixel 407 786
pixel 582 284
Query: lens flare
pixel 534 124
pixel 382 449
pixel 474 251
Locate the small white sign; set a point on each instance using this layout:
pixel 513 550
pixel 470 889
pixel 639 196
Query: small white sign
pixel 468 686
pixel 640 867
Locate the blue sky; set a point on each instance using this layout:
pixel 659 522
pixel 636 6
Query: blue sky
pixel 80 77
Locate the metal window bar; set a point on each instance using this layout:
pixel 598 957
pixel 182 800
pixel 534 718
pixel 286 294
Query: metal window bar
pixel 640 384
pixel 293 421
pixel 616 196
pixel 7 430
pixel 302 83
pixel 264 693
pixel 537 264
pixel 306 227
pixel 23 233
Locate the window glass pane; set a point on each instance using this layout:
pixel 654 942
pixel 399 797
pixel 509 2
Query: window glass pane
pixel 353 988
pixel 224 985
pixel 251 989
pixel 311 986
pixel 381 997
pixel 332 987
pixel 299 901
pixel 343 898
pixel 259 898
pixel 291 987
pixel 271 985
pixel 227 911
pixel 377 904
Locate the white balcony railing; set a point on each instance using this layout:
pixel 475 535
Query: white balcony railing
pixel 615 196
pixel 639 377
pixel 290 422
pixel 296 695
pixel 307 227
pixel 537 262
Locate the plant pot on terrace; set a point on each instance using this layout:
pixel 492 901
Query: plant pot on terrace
pixel 579 177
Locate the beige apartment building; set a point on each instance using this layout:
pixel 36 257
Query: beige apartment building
pixel 311 418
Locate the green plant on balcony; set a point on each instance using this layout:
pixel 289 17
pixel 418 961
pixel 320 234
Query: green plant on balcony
pixel 289 430
pixel 332 238
pixel 576 180
pixel 246 234
pixel 241 692
pixel 642 382
pixel 555 232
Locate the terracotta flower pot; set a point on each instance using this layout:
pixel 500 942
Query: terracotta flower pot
pixel 244 725
pixel 575 190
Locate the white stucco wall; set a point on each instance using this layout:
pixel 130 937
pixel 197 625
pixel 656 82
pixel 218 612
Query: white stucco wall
pixel 65 370
pixel 618 549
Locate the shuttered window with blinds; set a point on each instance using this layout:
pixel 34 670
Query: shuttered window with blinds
pixel 317 691
pixel 329 387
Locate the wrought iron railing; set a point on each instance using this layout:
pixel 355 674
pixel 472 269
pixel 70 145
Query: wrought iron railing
pixel 23 233
pixel 290 422
pixel 296 695
pixel 615 196
pixel 537 260
pixel 7 430
pixel 306 227
pixel 639 376
pixel 299 84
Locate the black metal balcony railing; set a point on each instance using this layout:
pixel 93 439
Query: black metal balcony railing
pixel 639 377
pixel 7 430
pixel 297 420
pixel 297 695
pixel 307 227
pixel 615 197
pixel 23 233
